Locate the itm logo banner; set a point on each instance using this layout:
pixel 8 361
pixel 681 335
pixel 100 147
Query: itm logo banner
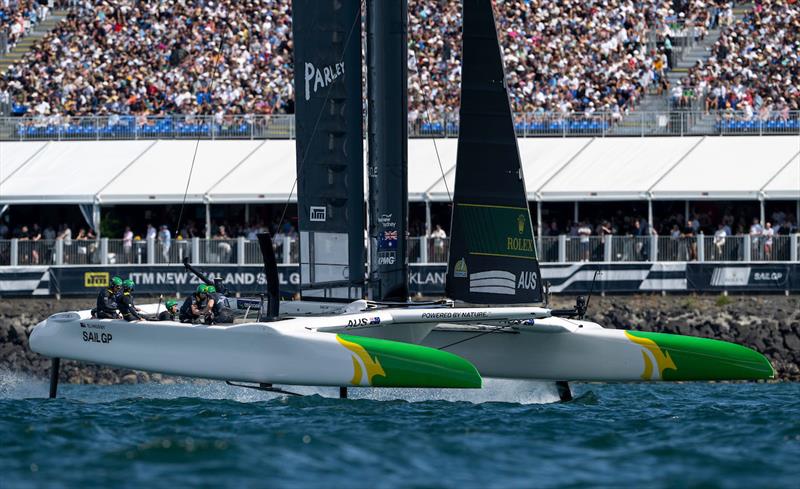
pixel 95 279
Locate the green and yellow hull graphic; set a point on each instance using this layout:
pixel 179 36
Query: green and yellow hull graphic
pixel 384 363
pixel 677 357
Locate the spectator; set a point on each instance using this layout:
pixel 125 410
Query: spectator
pixel 439 236
pixel 756 230
pixel 584 231
pixel 165 239
pixel 719 242
pixel 768 233
pixel 127 244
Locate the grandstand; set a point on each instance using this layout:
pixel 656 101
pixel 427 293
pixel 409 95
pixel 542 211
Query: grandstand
pixel 118 88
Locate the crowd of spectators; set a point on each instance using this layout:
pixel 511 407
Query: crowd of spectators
pixel 753 72
pixel 170 57
pixel 235 57
pixel 18 18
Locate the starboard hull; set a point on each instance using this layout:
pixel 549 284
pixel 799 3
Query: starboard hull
pixel 591 353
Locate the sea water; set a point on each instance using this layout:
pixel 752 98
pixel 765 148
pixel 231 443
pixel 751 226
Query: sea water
pixel 510 434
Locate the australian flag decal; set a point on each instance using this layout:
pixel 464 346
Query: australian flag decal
pixel 388 240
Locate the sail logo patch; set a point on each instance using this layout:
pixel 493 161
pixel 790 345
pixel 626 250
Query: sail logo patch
pixel 519 244
pixel 493 282
pixel 521 223
pixel 318 214
pixel 321 78
pixel 527 280
pixel 460 270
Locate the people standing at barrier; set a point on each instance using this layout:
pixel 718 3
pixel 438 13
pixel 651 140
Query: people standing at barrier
pixel 768 234
pixel 719 242
pixel 127 244
pixel 127 307
pixel 195 305
pixel 165 239
pixel 756 230
pixel 584 232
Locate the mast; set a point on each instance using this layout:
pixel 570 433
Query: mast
pixel 330 161
pixel 387 99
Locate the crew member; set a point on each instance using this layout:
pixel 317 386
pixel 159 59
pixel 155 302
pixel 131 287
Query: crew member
pixel 195 305
pixel 107 300
pixel 126 306
pixel 172 310
pixel 217 310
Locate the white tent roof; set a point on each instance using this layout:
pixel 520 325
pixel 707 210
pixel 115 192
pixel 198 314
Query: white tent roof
pixel 541 159
pixel 267 176
pixel 786 184
pixel 161 173
pixel 617 169
pixel 556 169
pixel 727 168
pixel 15 154
pixel 424 174
pixel 70 172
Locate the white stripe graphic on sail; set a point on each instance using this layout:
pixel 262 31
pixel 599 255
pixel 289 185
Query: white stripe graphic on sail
pixel 494 274
pixel 502 282
pixel 493 282
pixel 493 290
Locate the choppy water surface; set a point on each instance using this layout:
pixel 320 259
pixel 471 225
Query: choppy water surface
pixel 510 434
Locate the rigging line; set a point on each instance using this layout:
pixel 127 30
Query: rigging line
pixel 497 329
pixel 186 192
pixel 319 117
pixel 441 169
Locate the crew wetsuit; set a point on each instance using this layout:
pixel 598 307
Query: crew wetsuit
pixel 186 315
pixel 106 304
pixel 166 316
pixel 222 313
pixel 127 308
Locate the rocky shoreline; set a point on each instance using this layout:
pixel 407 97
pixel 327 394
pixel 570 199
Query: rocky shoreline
pixel 768 324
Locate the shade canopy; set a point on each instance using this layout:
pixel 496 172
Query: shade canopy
pixel 247 171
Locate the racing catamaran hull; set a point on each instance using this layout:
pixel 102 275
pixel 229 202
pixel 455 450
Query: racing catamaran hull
pixel 281 352
pixel 359 349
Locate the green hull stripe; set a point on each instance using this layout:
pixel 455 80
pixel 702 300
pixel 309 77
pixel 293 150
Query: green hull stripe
pixel 706 359
pixel 408 365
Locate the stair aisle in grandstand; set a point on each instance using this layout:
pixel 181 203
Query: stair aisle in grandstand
pixel 26 43
pixel 686 57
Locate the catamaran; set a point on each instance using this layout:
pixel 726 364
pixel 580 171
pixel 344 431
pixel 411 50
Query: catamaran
pixel 490 324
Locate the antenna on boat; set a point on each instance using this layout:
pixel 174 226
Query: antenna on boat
pixel 581 303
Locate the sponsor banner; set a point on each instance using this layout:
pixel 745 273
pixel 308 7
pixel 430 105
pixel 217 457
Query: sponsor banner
pixel 755 277
pixel 247 280
pixel 427 280
pixel 24 281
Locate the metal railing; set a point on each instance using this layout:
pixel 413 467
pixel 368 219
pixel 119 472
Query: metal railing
pixel 64 128
pixel 674 122
pixel 552 249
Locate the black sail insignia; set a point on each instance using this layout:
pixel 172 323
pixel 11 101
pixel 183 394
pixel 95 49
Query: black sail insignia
pixel 493 256
pixel 330 162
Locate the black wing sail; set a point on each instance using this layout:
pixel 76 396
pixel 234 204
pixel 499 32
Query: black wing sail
pixel 493 256
pixel 330 163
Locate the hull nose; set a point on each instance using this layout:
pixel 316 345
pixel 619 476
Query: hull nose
pixel 691 358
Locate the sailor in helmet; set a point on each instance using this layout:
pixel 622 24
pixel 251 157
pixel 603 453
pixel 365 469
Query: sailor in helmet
pixel 195 305
pixel 172 310
pixel 217 310
pixel 107 300
pixel 126 306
